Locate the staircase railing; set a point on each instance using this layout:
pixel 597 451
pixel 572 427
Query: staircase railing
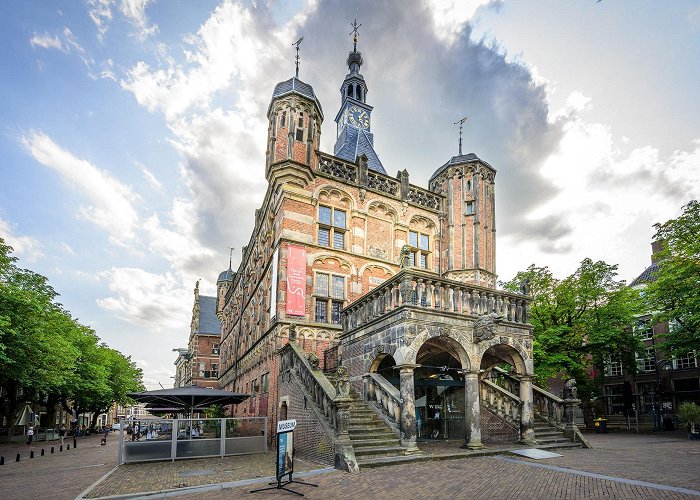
pixel 505 404
pixel 387 397
pixel 321 390
pixel 412 287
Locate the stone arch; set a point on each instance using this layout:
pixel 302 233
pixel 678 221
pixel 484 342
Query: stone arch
pixel 381 210
pixel 325 258
pixel 373 265
pixel 502 351
pixel 451 339
pixel 423 224
pixel 332 194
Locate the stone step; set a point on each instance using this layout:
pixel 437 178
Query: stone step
pixel 379 450
pixel 358 434
pixel 546 434
pixel 363 443
pixel 372 461
pixel 366 424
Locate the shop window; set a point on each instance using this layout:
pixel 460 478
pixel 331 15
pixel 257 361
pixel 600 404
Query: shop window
pixel 420 249
pixel 332 226
pixel 329 294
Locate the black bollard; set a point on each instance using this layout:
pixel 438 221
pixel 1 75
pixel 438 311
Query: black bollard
pixel 67 447
pixel 52 449
pixel 42 452
pixel 17 459
pixel 31 454
pixel 60 448
pixel 2 460
pixel 75 443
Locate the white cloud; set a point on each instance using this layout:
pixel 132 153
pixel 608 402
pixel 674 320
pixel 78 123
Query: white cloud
pixel 608 198
pixel 111 207
pixel 100 11
pixel 150 178
pixel 135 12
pixel 158 302
pixel 450 16
pixel 25 247
pixel 47 41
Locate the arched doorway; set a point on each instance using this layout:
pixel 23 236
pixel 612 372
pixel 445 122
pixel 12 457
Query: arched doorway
pixel 439 390
pixel 384 365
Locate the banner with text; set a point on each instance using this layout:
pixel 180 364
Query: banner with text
pixel 296 280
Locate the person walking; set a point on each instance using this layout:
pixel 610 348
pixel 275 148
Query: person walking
pixel 62 433
pixel 30 435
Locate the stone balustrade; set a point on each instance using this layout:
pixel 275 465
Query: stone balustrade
pixel 320 389
pixel 503 403
pixel 416 288
pixel 387 397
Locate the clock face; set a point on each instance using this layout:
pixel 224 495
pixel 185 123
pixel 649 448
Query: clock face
pixel 358 117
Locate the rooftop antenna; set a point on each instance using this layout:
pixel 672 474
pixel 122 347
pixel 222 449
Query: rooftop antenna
pixel 231 249
pixel 355 33
pixel 461 124
pixel 297 43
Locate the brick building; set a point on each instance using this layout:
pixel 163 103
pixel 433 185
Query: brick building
pixel 198 364
pixel 661 383
pixel 348 267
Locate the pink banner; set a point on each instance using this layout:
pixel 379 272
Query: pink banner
pixel 296 280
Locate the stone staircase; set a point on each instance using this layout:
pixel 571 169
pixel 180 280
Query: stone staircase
pixel 375 443
pixel 548 436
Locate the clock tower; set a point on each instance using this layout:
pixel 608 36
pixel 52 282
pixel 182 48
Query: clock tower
pixel 354 117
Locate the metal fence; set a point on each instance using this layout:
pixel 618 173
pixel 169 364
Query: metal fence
pixel 173 439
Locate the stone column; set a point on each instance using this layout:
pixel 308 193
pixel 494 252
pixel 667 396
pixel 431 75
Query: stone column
pixel 408 407
pixel 527 411
pixel 472 411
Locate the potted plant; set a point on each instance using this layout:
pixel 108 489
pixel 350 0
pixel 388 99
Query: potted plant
pixel 690 413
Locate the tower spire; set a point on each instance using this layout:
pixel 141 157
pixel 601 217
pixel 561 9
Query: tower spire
pixel 355 33
pixel 297 43
pixel 230 257
pixel 461 123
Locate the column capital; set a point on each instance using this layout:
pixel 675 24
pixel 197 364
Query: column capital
pixel 407 367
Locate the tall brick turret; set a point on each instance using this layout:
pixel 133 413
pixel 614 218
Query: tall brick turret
pixel 469 224
pixel 295 117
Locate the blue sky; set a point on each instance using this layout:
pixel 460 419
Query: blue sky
pixel 132 132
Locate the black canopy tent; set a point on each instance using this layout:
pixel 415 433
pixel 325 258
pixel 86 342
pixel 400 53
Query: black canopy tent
pixel 187 399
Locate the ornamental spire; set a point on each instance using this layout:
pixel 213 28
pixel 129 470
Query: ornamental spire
pixel 355 33
pixel 297 43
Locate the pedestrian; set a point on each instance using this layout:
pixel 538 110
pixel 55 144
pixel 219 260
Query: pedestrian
pixel 30 435
pixel 62 433
pixel 105 431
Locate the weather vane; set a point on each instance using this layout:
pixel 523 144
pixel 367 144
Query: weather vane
pixel 297 43
pixel 461 123
pixel 355 33
pixel 230 256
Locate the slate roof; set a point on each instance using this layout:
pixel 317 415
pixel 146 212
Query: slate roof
pixel 354 142
pixel 646 277
pixel 296 86
pixel 225 275
pixel 459 160
pixel 208 322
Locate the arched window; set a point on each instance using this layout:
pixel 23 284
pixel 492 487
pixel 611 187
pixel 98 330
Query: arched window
pixel 300 128
pixel 349 91
pixel 283 120
pixel 359 92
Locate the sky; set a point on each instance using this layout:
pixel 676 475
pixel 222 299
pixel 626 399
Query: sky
pixel 132 132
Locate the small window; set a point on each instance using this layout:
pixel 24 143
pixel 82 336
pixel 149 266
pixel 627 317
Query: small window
pixel 301 119
pixel 359 93
pixel 265 383
pixel 644 329
pixel 283 120
pixel 332 227
pixel 420 247
pixel 300 134
pixel 469 185
pixel 215 348
pixel 329 303
pixel 469 208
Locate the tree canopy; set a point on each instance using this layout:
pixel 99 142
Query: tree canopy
pixel 674 292
pixel 581 320
pixel 46 355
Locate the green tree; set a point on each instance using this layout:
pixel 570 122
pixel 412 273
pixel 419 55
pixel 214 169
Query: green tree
pixel 674 292
pixel 580 321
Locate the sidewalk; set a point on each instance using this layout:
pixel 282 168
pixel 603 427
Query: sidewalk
pixel 63 475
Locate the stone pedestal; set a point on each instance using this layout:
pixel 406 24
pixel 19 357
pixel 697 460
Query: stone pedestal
pixel 408 407
pixel 570 406
pixel 527 411
pixel 472 411
pixel 344 452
